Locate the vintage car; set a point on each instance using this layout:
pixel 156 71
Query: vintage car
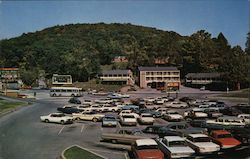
pixel 57 118
pixel 130 107
pixel 195 113
pixel 146 149
pixel 87 102
pixel 202 144
pixel 175 147
pixel 104 101
pixel 110 108
pixel 92 116
pixel 162 110
pixel 128 119
pixel 109 120
pixel 180 129
pixel 68 109
pixel 172 116
pixel 74 100
pixel 241 133
pixel 128 112
pixel 146 118
pixel 125 135
pixel 246 117
pixel 155 114
pixel 176 104
pixel 224 139
pixel 222 122
pixel 213 113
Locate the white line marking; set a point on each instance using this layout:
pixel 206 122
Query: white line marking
pixel 61 130
pixel 119 125
pixel 83 126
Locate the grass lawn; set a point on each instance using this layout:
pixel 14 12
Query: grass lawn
pixel 8 105
pixel 78 153
pixel 242 94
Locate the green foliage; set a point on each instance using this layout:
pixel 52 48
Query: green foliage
pixel 29 77
pixel 81 50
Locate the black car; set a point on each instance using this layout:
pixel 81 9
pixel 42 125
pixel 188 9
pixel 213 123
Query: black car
pixel 158 129
pixel 241 133
pixel 231 111
pixel 186 99
pixel 68 109
pixel 74 100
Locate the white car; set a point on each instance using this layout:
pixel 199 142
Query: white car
pixel 87 102
pixel 159 101
pixel 110 108
pixel 146 118
pixel 130 112
pixel 95 107
pixel 202 144
pixel 162 110
pixel 128 119
pixel 57 118
pixel 172 116
pixel 246 117
pixel 195 113
pixel 227 121
pixel 104 101
pixel 175 147
pixel 149 100
pixel 176 105
pixel 92 116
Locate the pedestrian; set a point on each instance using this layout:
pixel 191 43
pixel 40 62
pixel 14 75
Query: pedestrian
pixel 34 94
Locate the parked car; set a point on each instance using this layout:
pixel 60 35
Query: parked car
pixel 171 115
pixel 232 111
pixel 130 112
pixel 186 99
pixel 155 129
pixel 57 118
pixel 68 109
pixel 128 119
pixel 159 101
pixel 224 139
pixel 109 120
pixel 110 108
pixel 146 118
pixel 162 110
pixel 195 113
pixel 155 114
pixel 222 122
pixel 241 133
pixel 146 149
pixel 130 107
pixel 176 104
pixel 213 113
pixel 125 135
pixel 92 116
pixel 202 144
pixel 175 147
pixel 74 100
pixel 246 117
pixel 87 102
pixel 149 100
pixel 139 101
pixel 104 101
pixel 92 108
pixel 243 107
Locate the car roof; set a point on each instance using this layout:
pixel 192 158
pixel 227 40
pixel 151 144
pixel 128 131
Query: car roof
pixel 109 115
pixel 197 135
pixel 173 138
pixel 142 142
pixel 230 117
pixel 218 132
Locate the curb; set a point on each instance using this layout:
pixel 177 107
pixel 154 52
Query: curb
pixel 15 109
pixel 63 157
pixel 230 98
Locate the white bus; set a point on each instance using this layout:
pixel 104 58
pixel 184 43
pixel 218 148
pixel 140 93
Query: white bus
pixel 65 91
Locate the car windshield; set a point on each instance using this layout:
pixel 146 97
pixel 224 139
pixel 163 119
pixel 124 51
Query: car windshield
pixel 177 143
pixel 225 136
pixel 202 139
pixel 60 115
pixel 128 116
pixel 143 147
pixel 147 115
pixel 172 112
pixel 137 132
pixel 109 118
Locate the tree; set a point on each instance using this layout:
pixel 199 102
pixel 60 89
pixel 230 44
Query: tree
pixel 248 44
pixel 29 77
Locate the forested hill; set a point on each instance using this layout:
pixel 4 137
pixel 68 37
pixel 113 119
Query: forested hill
pixel 80 50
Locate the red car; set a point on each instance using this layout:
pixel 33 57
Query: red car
pixel 146 149
pixel 224 139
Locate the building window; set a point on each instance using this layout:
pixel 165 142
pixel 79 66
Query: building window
pixel 147 73
pixel 148 78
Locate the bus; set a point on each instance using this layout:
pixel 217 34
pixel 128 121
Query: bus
pixel 65 92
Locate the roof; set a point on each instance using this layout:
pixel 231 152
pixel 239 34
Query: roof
pixel 8 69
pixel 197 135
pixel 173 138
pixel 142 142
pixel 115 72
pixel 157 68
pixel 203 75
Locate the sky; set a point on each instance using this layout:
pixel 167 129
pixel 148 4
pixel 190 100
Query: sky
pixel 231 17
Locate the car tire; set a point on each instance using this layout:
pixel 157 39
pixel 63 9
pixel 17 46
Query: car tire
pixel 46 120
pixel 94 120
pixel 114 141
pixel 72 95
pixel 78 118
pixel 62 122
pixel 154 116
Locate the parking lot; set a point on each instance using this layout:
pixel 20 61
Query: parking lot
pixel 23 133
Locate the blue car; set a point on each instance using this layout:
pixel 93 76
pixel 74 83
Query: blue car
pixel 130 107
pixel 109 120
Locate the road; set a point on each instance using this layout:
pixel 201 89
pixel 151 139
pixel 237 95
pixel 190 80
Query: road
pixel 23 136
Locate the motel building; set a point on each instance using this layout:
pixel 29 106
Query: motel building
pixel 117 77
pixel 162 78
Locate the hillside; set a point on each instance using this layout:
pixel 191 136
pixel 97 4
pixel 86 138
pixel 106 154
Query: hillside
pixel 81 49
